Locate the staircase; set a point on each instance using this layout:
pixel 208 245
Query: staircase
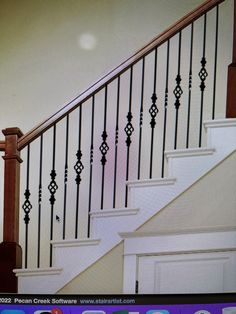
pixel 117 155
pixel 147 198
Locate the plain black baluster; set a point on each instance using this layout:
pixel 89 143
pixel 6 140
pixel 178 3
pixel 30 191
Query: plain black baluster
pixel 190 85
pixel 52 187
pixel 91 165
pixel 116 140
pixel 129 130
pixel 178 92
pixel 153 111
pixel 141 119
pixel 78 169
pixel 40 197
pixel 27 206
pixel 215 63
pixel 165 108
pixel 65 178
pixel 104 148
pixel 202 75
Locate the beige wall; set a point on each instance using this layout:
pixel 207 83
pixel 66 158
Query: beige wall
pixel 105 276
pixel 43 66
pixel 210 202
pixel 43 63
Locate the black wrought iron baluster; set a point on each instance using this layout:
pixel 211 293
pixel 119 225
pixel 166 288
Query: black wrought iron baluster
pixel 27 206
pixel 141 119
pixel 165 109
pixel 153 111
pixel 202 75
pixel 104 148
pixel 78 169
pixel 91 165
pixel 52 187
pixel 40 198
pixel 129 129
pixel 65 178
pixel 178 92
pixel 190 85
pixel 215 63
pixel 116 140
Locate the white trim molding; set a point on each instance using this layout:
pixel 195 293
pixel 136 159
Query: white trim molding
pixel 38 271
pixel 206 240
pixel 151 182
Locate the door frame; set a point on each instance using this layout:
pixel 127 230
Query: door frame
pixel 204 240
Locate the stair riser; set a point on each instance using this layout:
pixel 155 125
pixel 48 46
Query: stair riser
pixel 149 200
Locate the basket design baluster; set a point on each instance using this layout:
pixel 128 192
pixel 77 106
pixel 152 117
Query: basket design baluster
pixel 178 91
pixel 78 167
pixel 27 206
pixel 52 187
pixel 203 74
pixel 129 129
pixel 153 111
pixel 104 148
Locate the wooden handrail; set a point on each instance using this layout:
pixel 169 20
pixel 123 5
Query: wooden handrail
pixel 113 74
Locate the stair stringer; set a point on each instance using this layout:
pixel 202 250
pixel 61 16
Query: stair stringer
pixel 149 196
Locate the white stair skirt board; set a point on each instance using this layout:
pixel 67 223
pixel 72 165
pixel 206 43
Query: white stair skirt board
pixel 157 260
pixel 146 198
pixel 35 278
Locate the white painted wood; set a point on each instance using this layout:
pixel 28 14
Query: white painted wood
pixel 188 273
pixel 130 273
pixel 189 152
pixel 151 182
pixel 149 198
pixel 220 123
pixel 113 212
pixel 38 271
pixel 75 243
pixel 163 258
pixel 43 280
pixel 221 134
pixel 108 223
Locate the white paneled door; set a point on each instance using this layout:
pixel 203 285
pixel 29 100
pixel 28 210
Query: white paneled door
pixel 211 272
